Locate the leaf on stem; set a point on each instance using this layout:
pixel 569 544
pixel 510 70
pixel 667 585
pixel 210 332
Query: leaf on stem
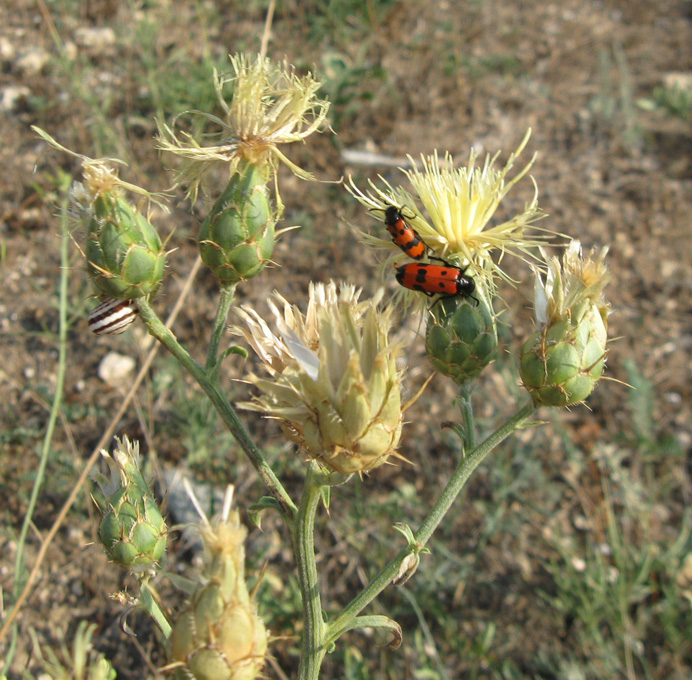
pixel 377 621
pixel 255 511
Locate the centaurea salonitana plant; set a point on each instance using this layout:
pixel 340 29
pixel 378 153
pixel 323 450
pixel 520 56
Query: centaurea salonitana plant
pixel 270 106
pixel 335 388
pixel 329 375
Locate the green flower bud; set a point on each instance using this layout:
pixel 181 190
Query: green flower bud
pixel 562 361
pixel 125 256
pixel 132 530
pixel 461 337
pixel 237 237
pixel 218 634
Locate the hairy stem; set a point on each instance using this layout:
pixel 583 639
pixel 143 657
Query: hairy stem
pixel 459 478
pixel 222 405
pixel 468 425
pixel 313 647
pixel 227 294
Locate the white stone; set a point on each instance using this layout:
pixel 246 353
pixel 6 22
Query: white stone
pixel 95 39
pixel 7 51
pixel 115 368
pixel 12 96
pixel 32 62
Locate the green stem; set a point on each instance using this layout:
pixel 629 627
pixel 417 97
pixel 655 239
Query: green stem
pixel 313 647
pixel 459 478
pixel 210 386
pixel 466 468
pixel 57 400
pixel 19 576
pixel 468 427
pixel 225 302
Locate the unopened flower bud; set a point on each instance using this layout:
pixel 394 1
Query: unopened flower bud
pixel 237 237
pixel 562 361
pixel 132 530
pixel 461 337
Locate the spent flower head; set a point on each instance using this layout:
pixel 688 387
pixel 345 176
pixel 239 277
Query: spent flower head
pixel 562 361
pixel 270 106
pixel 124 253
pixel 570 284
pixel 123 467
pixel 99 178
pixel 461 203
pixel 218 634
pixel 334 384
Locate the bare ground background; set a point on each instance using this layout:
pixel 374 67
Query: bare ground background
pixel 405 78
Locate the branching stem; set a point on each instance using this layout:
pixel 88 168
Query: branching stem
pixel 459 478
pixel 211 387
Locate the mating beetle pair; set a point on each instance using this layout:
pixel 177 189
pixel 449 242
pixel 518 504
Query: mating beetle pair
pixel 431 279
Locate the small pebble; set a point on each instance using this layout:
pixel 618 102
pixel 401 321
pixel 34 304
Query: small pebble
pixel 12 97
pixel 115 368
pixel 94 39
pixel 33 62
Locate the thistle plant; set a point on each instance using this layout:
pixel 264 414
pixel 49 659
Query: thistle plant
pixel 330 375
pixel 461 335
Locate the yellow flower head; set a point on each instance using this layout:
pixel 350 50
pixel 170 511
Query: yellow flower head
pixel 270 106
pixel 334 383
pixel 461 203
